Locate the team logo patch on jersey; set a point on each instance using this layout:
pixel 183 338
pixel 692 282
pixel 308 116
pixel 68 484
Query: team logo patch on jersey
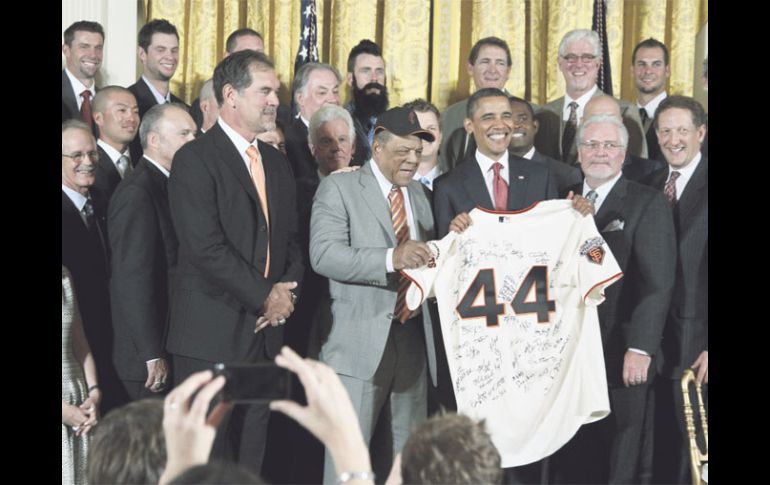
pixel 593 250
pixel 436 253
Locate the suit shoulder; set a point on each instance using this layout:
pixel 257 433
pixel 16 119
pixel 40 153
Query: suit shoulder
pixel 553 106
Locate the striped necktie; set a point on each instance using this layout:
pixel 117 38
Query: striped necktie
pixel 401 228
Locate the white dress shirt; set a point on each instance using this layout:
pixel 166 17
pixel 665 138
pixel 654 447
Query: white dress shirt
pixel 485 163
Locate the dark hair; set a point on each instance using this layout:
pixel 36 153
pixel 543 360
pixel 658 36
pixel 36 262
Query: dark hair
pixel 233 38
pixel 682 102
pixel 128 446
pixel 450 449
pixel 216 472
pixel 366 46
pixel 473 101
pixel 516 99
pixel 422 106
pixel 157 26
pixel 82 26
pixel 495 41
pixel 649 44
pixel 235 71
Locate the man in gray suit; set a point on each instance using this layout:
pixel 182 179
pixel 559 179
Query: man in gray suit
pixel 365 227
pixel 580 56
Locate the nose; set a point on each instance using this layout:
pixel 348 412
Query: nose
pixel 272 98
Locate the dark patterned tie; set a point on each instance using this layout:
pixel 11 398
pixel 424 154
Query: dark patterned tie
pixel 88 213
pixel 401 228
pixel 499 188
pixel 670 188
pixel 644 117
pixel 592 196
pixel 85 109
pixel 569 132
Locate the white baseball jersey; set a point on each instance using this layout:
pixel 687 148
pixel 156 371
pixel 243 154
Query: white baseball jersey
pixel 517 295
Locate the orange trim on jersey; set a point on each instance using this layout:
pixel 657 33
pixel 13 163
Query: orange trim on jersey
pixel 422 292
pixel 489 211
pixel 601 283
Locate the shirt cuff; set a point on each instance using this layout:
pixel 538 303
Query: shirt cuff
pixel 389 260
pixel 638 351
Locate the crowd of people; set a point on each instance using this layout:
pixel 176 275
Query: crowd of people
pixel 222 231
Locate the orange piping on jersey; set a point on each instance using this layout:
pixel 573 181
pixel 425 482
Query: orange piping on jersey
pixel 489 211
pixel 422 293
pixel 601 283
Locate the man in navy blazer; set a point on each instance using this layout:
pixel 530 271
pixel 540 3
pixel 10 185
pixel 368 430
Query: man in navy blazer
pixel 680 123
pixel 239 257
pixel 144 245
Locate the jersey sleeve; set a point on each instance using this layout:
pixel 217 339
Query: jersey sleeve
pixel 597 267
pixel 424 278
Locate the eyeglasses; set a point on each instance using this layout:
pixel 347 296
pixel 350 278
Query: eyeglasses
pixel 595 145
pixel 572 58
pixel 93 156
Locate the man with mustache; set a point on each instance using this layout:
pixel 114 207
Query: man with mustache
pixel 366 77
pixel 234 207
pixel 579 59
pixel 83 50
pixel 159 52
pixel 650 69
pixel 117 116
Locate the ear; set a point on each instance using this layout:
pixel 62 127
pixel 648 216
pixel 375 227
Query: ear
pixel 349 78
pixel 312 148
pixel 141 53
pixel 468 124
pixel 701 133
pixel 535 125
pixel 469 66
pixel 65 50
pixel 227 95
pixel 98 118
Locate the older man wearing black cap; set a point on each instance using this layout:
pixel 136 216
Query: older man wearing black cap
pixel 365 227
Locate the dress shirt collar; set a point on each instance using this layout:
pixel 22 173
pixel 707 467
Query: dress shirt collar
pixel 652 105
pixel 530 153
pixel 111 152
pixel 581 101
pixel 158 166
pixel 602 191
pixel 76 197
pixel 159 98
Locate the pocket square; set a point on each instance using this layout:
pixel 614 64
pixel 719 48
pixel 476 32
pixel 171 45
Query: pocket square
pixel 614 225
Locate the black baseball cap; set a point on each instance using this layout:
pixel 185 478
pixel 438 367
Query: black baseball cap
pixel 402 122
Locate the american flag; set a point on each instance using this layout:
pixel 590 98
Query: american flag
pixel 599 25
pixel 308 36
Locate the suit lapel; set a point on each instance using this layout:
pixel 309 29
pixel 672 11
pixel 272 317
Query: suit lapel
pixel 421 212
pixel 68 94
pixel 475 185
pixel 372 195
pixel 108 166
pixel 234 161
pixel 693 191
pixel 612 206
pixel 518 178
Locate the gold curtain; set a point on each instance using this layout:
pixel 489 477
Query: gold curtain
pixel 426 42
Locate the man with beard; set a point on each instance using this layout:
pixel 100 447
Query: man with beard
pixel 233 205
pixel 650 69
pixel 366 76
pixel 83 49
pixel 159 52
pixel 117 116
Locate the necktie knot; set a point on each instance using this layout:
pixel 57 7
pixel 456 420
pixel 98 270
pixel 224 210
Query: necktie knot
pixel 86 94
pixel 496 167
pixel 592 196
pixel 253 154
pixel 124 165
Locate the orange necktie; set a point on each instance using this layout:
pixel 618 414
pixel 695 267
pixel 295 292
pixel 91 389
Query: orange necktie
pixel 401 228
pixel 258 176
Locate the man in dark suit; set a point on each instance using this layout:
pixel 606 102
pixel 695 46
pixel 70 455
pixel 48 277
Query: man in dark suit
pixel 84 249
pixel 650 69
pixel 158 51
pixel 83 50
pixel 315 85
pixel 634 168
pixel 636 223
pixel 680 123
pixel 580 56
pixel 144 247
pixel 471 183
pixel 117 116
pixel 233 204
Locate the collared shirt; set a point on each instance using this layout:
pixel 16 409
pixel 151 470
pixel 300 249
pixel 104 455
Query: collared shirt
pixel 113 154
pixel 685 174
pixel 485 163
pixel 159 98
pixel 581 101
pixel 385 186
pixel 307 123
pixel 158 166
pixel 601 191
pixel 427 179
pixel 241 144
pixel 530 153
pixel 78 199
pixel 652 105
pixel 79 87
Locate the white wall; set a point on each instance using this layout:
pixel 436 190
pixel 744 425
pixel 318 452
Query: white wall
pixel 119 19
pixel 701 52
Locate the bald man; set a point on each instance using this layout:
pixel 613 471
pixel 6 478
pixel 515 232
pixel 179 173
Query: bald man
pixel 634 168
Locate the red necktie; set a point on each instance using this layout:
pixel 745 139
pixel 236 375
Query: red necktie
pixel 85 109
pixel 670 188
pixel 258 177
pixel 500 188
pixel 401 228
